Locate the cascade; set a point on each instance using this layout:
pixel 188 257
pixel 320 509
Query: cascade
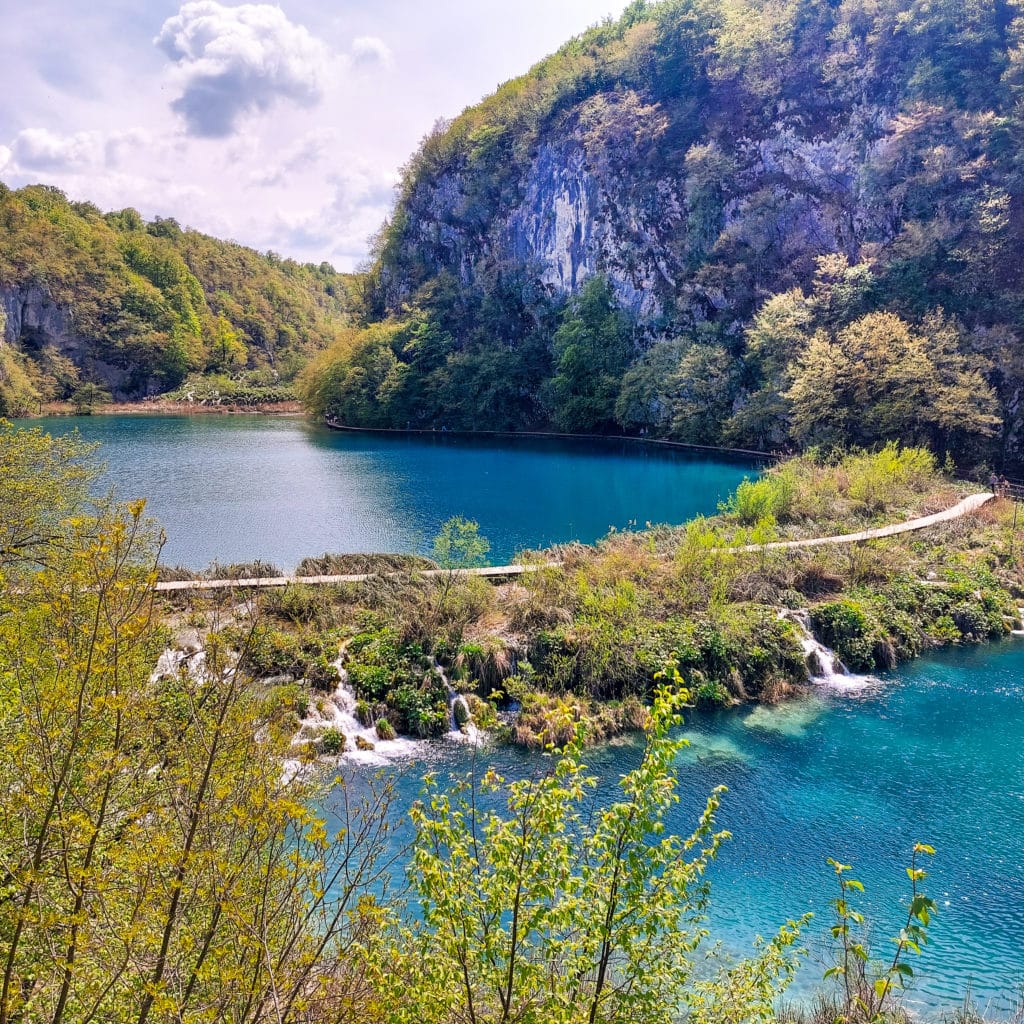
pixel 468 733
pixel 823 664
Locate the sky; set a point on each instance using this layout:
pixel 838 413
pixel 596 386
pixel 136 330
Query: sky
pixel 281 126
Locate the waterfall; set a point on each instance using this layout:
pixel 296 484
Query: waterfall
pixel 173 660
pixel 338 711
pixel 823 664
pixel 468 733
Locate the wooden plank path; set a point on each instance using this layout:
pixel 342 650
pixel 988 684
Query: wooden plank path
pixel 970 504
pixel 504 572
pixel 490 572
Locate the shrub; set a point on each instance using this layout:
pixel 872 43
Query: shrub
pixel 768 498
pixel 385 730
pixel 879 479
pixel 846 627
pixel 322 674
pixel 711 693
pixel 332 742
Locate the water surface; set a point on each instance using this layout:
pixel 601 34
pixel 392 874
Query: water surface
pixel 933 755
pixel 237 488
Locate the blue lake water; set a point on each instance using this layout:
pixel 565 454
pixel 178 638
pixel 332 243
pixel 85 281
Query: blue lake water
pixel 237 488
pixel 935 754
pixel 932 755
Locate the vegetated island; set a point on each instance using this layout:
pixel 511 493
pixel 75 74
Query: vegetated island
pixel 164 840
pixel 580 642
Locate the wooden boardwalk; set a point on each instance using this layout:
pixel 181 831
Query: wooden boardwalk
pixel 504 572
pixel 970 504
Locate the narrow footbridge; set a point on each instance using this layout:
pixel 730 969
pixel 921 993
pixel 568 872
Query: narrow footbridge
pixel 500 573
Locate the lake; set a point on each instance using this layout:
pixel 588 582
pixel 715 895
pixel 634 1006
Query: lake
pixel 933 754
pixel 238 488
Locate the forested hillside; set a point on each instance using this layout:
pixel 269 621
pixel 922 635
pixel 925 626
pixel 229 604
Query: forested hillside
pixel 769 223
pixel 112 302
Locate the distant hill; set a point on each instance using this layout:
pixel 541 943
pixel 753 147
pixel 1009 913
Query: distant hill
pixel 111 301
pixel 759 222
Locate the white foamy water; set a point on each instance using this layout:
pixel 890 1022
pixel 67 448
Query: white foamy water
pixel 338 711
pixel 825 668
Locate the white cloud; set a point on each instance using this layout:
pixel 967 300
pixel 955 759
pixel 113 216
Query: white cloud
pixel 120 145
pixel 233 60
pixel 307 152
pixel 39 149
pixel 362 196
pixel 370 50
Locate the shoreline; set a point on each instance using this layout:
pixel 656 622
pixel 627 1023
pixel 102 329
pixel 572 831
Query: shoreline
pixel 160 407
pixel 741 453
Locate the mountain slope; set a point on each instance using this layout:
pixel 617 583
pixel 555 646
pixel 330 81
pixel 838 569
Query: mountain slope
pixel 746 181
pixel 135 307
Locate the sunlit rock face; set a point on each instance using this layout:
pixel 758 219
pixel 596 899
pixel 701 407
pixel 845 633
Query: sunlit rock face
pixel 674 215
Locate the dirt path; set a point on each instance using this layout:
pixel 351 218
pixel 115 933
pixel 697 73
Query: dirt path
pixel 503 572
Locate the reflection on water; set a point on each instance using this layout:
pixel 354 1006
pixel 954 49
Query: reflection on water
pixel 237 488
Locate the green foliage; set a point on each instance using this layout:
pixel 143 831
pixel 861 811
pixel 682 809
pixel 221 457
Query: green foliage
pixel 592 348
pixel 382 669
pixel 756 500
pixel 153 854
pixel 874 478
pixel 878 380
pixel 805 209
pixel 332 742
pixel 269 652
pixel 19 395
pixel 458 545
pixel 545 909
pixel 846 628
pixel 157 302
pixel 870 989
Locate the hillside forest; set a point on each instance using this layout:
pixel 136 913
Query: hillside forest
pixel 770 225
pixel 113 305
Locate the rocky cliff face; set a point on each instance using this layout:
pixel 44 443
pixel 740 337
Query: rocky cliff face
pixel 36 321
pixel 650 224
pixel 703 156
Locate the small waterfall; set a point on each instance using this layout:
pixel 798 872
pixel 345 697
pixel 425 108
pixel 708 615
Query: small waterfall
pixel 173 660
pixel 338 711
pixel 823 664
pixel 1018 632
pixel 468 732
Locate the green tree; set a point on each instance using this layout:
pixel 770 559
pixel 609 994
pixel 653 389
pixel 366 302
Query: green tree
pixel 880 379
pixel 592 348
pixel 547 910
pixel 457 547
pixel 702 387
pixel 155 865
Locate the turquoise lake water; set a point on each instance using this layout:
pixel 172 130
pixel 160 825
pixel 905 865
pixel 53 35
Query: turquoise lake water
pixel 237 488
pixel 933 754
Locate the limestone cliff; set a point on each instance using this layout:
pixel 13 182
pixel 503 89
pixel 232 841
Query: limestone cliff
pixel 703 155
